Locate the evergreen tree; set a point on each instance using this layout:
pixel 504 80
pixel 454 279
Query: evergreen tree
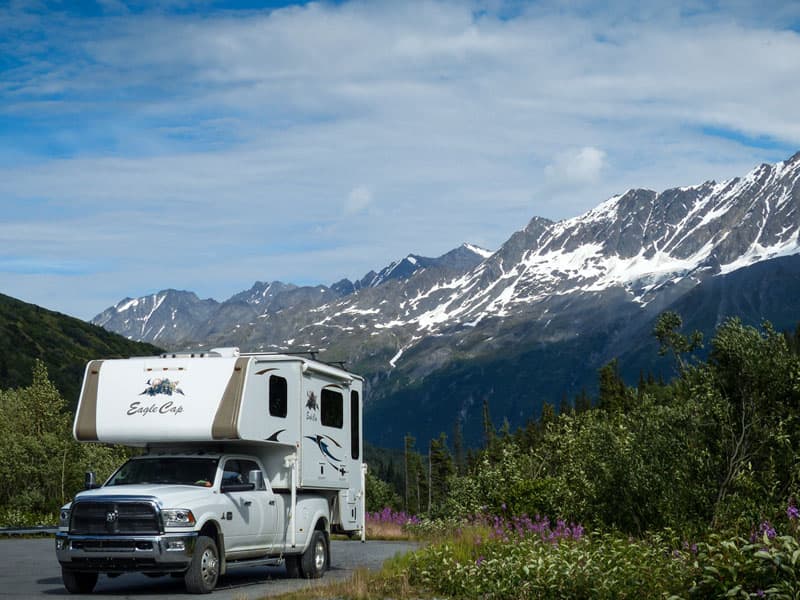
pixel 641 386
pixel 441 469
pixel 564 405
pixel 582 402
pixel 547 416
pixel 458 447
pixel 505 430
pixel 489 434
pixel 408 451
pixel 793 339
pixel 528 436
pixel 614 394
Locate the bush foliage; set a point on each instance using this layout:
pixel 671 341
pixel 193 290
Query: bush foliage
pixel 718 446
pixel 41 466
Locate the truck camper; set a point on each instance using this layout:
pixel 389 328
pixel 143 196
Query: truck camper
pixel 248 459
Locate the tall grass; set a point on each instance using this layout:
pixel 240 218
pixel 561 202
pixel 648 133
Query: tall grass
pixel 389 524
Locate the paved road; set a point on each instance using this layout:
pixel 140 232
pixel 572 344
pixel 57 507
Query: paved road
pixel 29 569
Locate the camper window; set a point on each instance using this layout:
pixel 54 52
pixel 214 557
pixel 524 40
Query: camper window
pixel 277 396
pixel 332 408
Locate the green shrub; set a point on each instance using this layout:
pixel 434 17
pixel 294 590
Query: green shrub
pixel 15 517
pixel 598 566
pixel 765 566
pixel 380 494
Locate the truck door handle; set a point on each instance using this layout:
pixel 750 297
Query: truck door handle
pixel 272 502
pixel 247 502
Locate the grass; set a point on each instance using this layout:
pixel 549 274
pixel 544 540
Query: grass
pixel 362 585
pixel 388 531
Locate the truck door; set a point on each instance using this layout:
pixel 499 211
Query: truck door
pixel 251 514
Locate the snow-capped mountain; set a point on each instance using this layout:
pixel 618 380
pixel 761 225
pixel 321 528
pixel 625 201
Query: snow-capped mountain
pixel 178 319
pixel 582 284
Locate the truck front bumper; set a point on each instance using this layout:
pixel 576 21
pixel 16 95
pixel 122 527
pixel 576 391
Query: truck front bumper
pixel 169 552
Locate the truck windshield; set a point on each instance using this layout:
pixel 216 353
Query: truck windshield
pixel 174 470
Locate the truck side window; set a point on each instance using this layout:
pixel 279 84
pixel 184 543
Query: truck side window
pixel 331 408
pixel 355 437
pixel 278 396
pixel 237 471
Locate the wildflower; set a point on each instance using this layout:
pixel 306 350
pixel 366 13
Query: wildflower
pixel 480 560
pixel 792 512
pixel 760 593
pixel 765 529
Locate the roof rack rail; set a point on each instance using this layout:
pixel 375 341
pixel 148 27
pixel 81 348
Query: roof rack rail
pixel 311 353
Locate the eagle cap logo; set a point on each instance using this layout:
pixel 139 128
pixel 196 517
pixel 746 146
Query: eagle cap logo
pixel 164 386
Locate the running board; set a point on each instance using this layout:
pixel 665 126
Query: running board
pixel 255 562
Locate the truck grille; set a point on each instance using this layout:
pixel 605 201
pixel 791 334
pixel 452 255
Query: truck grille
pixel 114 518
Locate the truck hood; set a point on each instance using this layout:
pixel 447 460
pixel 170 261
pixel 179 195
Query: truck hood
pixel 169 496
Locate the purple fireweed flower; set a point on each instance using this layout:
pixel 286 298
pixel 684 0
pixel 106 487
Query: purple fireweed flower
pixel 792 512
pixel 480 560
pixel 760 593
pixel 764 529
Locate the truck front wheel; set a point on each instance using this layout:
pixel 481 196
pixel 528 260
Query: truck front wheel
pixel 203 573
pixel 78 583
pixel 314 561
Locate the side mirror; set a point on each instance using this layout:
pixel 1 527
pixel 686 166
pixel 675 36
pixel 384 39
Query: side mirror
pixel 256 477
pixel 89 481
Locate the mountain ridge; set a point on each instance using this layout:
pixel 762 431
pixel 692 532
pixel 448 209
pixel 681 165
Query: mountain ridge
pixel 551 285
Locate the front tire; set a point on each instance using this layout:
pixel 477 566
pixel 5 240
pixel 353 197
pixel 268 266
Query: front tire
pixel 203 573
pixel 314 561
pixel 78 583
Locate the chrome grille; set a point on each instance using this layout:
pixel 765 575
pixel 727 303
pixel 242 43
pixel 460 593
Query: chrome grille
pixel 114 518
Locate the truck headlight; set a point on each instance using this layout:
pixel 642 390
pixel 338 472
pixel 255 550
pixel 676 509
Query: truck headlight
pixel 177 517
pixel 63 518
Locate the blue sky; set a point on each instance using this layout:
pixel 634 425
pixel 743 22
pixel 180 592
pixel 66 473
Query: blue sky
pixel 205 145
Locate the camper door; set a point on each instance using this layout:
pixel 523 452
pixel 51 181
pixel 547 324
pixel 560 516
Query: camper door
pixel 326 433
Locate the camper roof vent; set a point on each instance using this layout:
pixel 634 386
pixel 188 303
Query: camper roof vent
pixel 225 352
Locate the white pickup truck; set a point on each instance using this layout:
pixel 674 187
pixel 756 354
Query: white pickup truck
pixel 249 460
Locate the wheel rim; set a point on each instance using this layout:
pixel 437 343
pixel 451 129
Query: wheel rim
pixel 319 555
pixel 208 567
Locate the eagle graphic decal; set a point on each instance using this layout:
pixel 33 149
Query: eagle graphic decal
pixel 324 447
pixel 161 386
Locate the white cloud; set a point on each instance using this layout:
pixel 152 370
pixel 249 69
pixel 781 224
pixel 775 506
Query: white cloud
pixel 576 166
pixel 358 200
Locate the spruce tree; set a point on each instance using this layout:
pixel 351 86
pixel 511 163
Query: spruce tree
pixel 458 447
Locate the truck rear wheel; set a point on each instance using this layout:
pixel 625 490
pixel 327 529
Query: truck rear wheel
pixel 78 583
pixel 203 573
pixel 314 561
